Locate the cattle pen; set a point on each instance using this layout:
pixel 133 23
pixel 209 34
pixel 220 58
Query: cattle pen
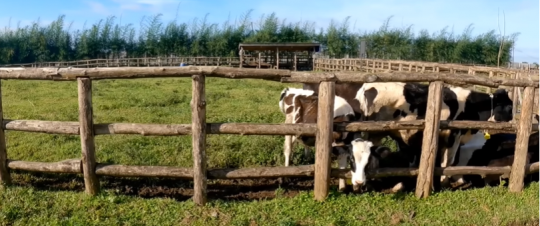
pixel 321 170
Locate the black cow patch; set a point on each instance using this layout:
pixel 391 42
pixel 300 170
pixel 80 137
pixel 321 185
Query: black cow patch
pixel 370 95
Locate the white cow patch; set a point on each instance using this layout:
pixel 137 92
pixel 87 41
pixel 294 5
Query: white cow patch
pixel 361 151
pixel 292 91
pixel 476 142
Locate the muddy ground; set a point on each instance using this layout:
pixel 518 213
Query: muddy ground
pixel 240 189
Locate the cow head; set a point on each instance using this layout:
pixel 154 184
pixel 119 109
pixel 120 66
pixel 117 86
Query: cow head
pixel 364 156
pixel 502 106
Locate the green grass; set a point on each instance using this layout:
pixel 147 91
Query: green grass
pixel 167 101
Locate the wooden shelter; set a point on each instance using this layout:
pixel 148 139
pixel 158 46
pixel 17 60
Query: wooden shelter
pixel 292 56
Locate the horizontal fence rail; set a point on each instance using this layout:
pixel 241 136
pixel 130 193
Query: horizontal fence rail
pixel 73 166
pixel 358 64
pixel 198 129
pixel 67 74
pixel 72 128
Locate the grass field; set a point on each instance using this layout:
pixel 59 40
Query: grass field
pixel 38 200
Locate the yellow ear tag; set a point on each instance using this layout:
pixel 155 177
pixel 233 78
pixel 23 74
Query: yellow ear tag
pixel 348 181
pixel 487 136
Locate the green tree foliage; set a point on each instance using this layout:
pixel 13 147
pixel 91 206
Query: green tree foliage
pixel 109 39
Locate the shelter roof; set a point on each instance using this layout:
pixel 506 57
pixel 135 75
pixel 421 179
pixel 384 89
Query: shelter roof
pixel 290 46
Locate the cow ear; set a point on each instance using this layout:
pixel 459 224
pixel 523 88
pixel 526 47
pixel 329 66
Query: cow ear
pixel 383 152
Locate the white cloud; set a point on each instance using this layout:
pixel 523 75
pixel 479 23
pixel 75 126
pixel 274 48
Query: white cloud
pixel 154 6
pixel 99 8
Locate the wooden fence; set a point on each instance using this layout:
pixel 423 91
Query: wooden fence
pixel 321 170
pixel 138 62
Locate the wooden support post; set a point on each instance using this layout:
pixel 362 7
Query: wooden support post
pixel 515 100
pixel 259 63
pixel 295 61
pixel 490 76
pixel 88 146
pixel 5 178
pixel 517 173
pixel 198 126
pixel 241 55
pixel 277 58
pixel 323 139
pixel 424 183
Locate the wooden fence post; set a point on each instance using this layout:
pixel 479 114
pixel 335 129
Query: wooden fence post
pixel 424 182
pixel 323 144
pixel 198 126
pixel 5 178
pixel 524 128
pixel 86 125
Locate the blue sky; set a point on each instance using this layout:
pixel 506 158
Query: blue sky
pixel 433 15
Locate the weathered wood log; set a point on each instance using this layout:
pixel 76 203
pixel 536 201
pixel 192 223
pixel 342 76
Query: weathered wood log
pixel 522 142
pixel 198 119
pixel 323 141
pixel 72 128
pixel 424 183
pixel 356 77
pixel 65 74
pixel 144 171
pixel 88 146
pixel 143 129
pixel 438 171
pixel 70 166
pixel 5 178
pixel 51 127
pixel 264 129
pixel 420 124
pixel 73 166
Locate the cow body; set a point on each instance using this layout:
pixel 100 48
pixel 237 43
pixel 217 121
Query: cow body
pixel 300 106
pixel 396 101
pixel 346 91
pixel 286 105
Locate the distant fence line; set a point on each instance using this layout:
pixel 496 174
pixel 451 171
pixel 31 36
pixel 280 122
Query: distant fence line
pixel 322 64
pixel 321 170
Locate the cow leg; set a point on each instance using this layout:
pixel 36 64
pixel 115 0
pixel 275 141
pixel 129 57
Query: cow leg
pixel 464 156
pixel 287 147
pixel 342 164
pixel 449 153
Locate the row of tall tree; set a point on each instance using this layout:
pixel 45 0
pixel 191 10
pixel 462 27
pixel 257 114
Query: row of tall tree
pixel 107 38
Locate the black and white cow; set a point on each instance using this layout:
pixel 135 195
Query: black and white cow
pixel 300 106
pixel 389 101
pixel 286 105
pixel 497 151
pixel 363 156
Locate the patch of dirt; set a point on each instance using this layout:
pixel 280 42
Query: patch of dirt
pixel 237 189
